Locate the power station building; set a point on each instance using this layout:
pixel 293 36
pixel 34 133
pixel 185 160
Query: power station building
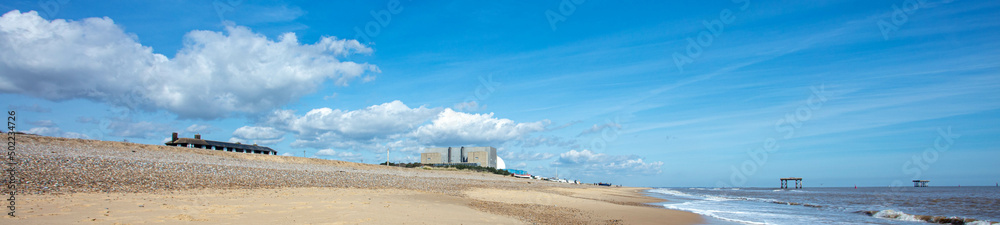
pixel 481 156
pixel 197 142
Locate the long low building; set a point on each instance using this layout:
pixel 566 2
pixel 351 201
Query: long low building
pixel 481 156
pixel 197 142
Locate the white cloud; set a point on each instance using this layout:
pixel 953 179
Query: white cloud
pixel 602 163
pixel 634 165
pixel 215 74
pixel 345 156
pixel 252 132
pixel 326 152
pixel 259 135
pixel 287 154
pixel 573 157
pixel 331 140
pixel 44 131
pixel 251 141
pixel 56 132
pixel 372 128
pixel 333 96
pixel 372 122
pixel 457 128
pixel 396 126
pixel 368 78
pixel 527 156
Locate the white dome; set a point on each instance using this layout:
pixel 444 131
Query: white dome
pixel 500 164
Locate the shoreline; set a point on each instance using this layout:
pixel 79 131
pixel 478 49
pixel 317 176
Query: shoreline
pixel 74 181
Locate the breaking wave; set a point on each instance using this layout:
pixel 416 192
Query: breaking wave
pixel 897 215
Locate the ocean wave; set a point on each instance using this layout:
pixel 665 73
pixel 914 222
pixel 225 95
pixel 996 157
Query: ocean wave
pixel 710 213
pixel 897 215
pixel 725 198
pixel 672 192
pixel 716 198
pixel 682 194
pixel 796 203
pixel 775 201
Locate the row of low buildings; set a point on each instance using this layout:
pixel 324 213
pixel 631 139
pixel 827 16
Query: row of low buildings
pixel 197 142
pixel 478 156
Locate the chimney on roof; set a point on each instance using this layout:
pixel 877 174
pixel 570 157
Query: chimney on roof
pixel 197 136
pixel 174 137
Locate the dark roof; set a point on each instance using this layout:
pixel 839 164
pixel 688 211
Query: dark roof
pixel 219 143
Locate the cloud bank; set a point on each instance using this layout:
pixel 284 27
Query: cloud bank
pixel 396 126
pixel 456 128
pixel 214 75
pixel 259 135
pixel 602 163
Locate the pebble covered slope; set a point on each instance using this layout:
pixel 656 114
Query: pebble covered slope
pixel 62 165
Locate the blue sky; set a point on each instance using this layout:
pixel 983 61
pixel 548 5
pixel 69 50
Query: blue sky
pixel 697 93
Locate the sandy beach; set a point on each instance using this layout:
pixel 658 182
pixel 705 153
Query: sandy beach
pixel 71 181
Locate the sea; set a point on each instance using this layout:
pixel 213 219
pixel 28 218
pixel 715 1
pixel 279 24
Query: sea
pixel 837 205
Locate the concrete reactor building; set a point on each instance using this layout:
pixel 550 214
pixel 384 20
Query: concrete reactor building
pixel 481 156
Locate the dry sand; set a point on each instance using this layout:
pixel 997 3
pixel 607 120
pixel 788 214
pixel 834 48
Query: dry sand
pixel 262 206
pixel 71 181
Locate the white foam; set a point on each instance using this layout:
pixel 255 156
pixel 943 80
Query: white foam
pixel 710 213
pixel 672 192
pixel 896 215
pixel 717 198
